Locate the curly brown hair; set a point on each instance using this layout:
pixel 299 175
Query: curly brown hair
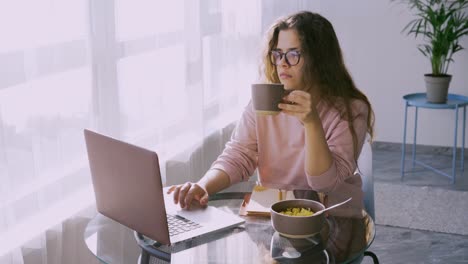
pixel 323 68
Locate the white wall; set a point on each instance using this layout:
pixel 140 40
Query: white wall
pixel 386 65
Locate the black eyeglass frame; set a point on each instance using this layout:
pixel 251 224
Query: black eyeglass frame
pixel 285 55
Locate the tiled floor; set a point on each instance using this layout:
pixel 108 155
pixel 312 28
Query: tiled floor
pixel 402 245
pixel 387 166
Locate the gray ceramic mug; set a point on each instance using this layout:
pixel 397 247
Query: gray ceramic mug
pixel 266 97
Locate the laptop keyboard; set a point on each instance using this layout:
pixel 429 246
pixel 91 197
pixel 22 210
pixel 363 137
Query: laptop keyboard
pixel 178 224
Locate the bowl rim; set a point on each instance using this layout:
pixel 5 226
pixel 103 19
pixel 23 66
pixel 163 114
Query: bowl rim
pixel 299 216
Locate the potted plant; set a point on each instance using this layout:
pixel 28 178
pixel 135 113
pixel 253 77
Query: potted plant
pixel 441 23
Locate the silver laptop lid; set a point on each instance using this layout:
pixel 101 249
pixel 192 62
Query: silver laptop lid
pixel 127 182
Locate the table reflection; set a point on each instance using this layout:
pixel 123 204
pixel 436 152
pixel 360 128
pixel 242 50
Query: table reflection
pixel 253 242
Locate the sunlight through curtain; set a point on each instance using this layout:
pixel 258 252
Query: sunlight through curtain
pixel 159 75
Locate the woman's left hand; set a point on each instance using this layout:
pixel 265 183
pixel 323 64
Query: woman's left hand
pixel 299 104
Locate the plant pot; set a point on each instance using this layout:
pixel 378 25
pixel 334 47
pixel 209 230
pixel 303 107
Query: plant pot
pixel 437 88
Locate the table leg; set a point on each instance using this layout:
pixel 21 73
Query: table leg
pixel 403 147
pixel 145 257
pixel 414 137
pixel 454 154
pixel 463 140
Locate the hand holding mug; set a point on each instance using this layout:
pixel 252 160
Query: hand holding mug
pixel 299 104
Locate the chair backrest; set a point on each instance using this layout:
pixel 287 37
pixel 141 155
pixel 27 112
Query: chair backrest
pixel 365 169
pixel 192 164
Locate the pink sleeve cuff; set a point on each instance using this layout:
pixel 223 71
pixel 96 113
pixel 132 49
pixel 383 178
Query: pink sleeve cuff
pixel 324 182
pixel 234 175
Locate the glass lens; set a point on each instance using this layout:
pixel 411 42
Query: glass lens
pixel 276 57
pixel 292 57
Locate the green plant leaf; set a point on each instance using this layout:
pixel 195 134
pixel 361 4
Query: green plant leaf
pixel 440 23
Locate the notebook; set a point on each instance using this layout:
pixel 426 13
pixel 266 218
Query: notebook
pixel 128 189
pixel 258 203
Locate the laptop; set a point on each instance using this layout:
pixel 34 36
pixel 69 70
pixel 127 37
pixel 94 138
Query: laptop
pixel 128 189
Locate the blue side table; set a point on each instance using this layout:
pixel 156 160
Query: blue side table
pixel 454 102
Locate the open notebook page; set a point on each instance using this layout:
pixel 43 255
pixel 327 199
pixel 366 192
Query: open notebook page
pixel 262 198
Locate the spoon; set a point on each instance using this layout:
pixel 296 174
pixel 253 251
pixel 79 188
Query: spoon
pixel 333 206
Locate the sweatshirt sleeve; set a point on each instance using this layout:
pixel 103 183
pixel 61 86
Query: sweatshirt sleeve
pixel 240 156
pixel 340 143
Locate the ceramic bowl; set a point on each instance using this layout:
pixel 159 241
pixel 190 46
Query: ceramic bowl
pixel 297 226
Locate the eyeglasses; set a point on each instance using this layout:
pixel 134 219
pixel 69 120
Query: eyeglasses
pixel 292 57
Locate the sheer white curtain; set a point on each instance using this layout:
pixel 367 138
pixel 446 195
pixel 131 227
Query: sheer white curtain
pixel 160 74
pixel 46 98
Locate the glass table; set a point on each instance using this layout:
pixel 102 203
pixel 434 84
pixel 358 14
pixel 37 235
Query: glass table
pixel 253 242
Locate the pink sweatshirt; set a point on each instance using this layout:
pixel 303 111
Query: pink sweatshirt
pixel 276 145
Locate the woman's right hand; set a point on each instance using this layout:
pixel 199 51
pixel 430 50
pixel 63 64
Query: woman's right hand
pixel 189 192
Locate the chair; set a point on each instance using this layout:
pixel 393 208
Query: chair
pixel 365 169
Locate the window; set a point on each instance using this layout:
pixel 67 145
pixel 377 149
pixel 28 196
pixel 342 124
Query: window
pixel 160 75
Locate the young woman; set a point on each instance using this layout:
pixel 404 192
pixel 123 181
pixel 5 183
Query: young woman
pixel 313 144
